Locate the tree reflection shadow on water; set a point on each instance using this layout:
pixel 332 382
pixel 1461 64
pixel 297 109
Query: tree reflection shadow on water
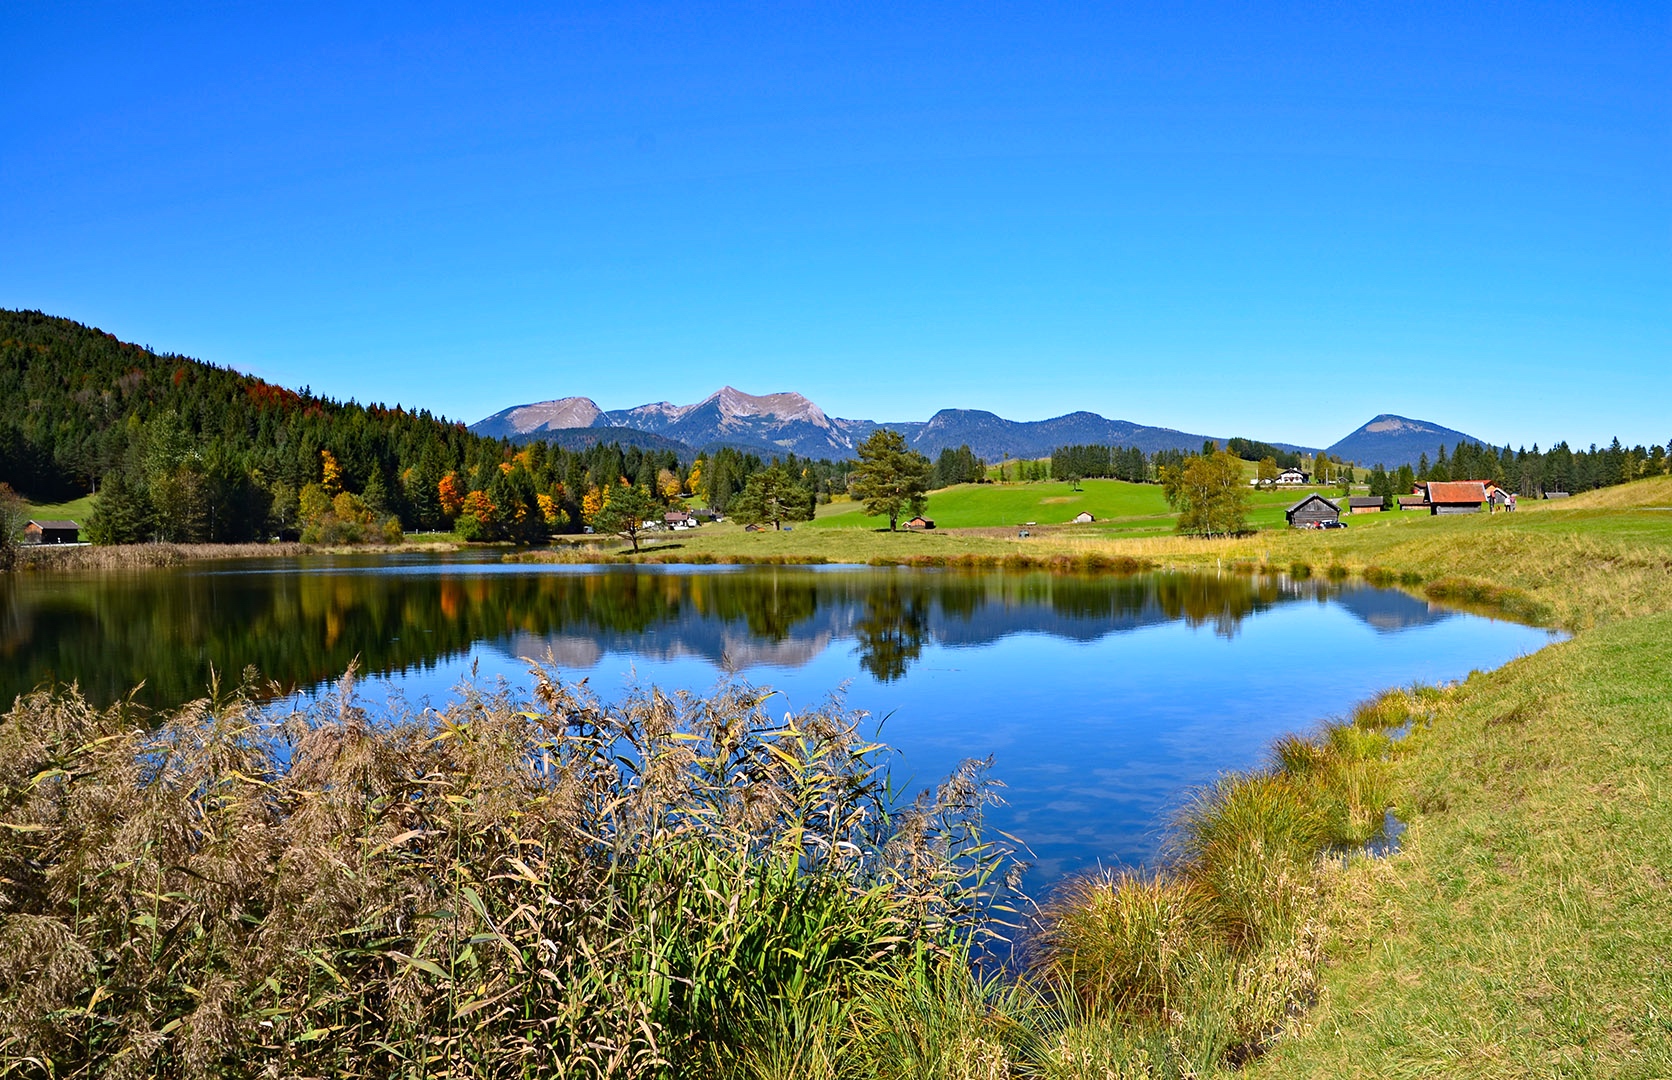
pixel 303 622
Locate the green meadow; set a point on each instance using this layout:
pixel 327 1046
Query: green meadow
pixel 1118 507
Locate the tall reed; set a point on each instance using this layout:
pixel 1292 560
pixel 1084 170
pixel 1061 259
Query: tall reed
pixel 506 886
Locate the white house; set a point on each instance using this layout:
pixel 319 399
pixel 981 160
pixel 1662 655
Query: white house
pixel 1083 518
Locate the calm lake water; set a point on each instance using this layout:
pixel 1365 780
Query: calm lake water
pixel 1102 699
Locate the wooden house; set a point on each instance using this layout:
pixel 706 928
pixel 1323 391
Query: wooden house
pixel 1312 512
pixel 1364 504
pixel 1555 494
pixel 52 532
pixel 1455 496
pixel 920 522
pixel 1292 476
pixel 679 520
pixel 1083 518
pixel 1413 502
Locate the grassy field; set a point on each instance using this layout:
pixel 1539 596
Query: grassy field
pixel 77 510
pixel 1120 508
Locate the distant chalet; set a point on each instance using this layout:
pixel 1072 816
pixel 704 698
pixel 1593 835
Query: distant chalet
pixel 1311 512
pixel 1365 504
pixel 52 532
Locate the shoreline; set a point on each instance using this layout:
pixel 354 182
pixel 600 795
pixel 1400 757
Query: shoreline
pixel 1532 767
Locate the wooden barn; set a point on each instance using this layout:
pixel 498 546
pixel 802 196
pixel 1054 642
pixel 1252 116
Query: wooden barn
pixel 1418 501
pixel 1312 512
pixel 921 523
pixel 1455 496
pixel 1364 504
pixel 52 532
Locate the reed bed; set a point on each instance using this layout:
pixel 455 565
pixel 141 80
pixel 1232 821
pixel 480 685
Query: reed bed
pixel 505 887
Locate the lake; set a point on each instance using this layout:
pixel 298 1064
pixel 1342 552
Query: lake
pixel 1102 699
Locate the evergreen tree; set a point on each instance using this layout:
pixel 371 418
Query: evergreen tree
pixel 890 479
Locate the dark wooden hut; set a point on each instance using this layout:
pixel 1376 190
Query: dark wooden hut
pixel 1312 511
pixel 52 532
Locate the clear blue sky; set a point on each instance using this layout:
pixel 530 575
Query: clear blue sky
pixel 1235 219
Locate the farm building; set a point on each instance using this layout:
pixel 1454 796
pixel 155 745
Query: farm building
pixel 1312 511
pixel 679 519
pixel 52 532
pixel 1293 476
pixel 1455 496
pixel 920 522
pixel 1364 504
pixel 1413 502
pixel 1083 518
pixel 1555 494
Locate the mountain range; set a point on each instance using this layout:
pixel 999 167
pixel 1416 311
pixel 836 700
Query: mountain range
pixel 775 423
pixel 789 421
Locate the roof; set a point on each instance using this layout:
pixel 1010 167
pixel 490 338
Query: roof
pixel 1413 500
pixel 1365 500
pixel 1456 491
pixel 1309 498
pixel 55 524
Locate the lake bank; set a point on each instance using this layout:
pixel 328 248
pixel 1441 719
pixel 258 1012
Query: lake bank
pixel 1521 928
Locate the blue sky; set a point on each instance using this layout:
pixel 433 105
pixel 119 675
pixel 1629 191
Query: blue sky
pixel 1233 219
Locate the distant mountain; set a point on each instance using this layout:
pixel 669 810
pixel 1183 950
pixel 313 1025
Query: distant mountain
pixel 775 423
pixel 1392 441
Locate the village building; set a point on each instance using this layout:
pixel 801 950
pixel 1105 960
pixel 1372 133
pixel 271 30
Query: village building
pixel 1455 496
pixel 1364 504
pixel 921 523
pixel 679 520
pixel 52 532
pixel 1293 476
pixel 1555 494
pixel 1313 512
pixel 1083 518
pixel 1419 501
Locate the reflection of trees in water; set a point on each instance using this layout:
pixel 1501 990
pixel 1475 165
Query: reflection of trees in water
pixel 892 630
pixel 302 625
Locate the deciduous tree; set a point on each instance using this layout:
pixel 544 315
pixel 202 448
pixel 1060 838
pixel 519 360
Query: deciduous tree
pixel 1209 493
pixel 625 513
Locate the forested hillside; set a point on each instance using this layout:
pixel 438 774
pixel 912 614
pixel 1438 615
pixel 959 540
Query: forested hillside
pixel 182 450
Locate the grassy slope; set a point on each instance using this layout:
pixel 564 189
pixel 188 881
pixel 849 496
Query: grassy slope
pixel 77 510
pixel 1526 927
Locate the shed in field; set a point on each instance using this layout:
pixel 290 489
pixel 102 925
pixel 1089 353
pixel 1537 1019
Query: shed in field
pixel 1312 511
pixel 1413 502
pixel 1083 518
pixel 920 522
pixel 52 532
pixel 1364 504
pixel 1455 496
pixel 1555 494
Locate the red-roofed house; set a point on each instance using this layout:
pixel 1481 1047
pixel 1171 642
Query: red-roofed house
pixel 1455 496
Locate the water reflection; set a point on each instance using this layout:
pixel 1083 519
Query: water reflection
pixel 302 622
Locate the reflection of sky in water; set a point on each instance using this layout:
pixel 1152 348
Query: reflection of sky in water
pixel 1096 734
